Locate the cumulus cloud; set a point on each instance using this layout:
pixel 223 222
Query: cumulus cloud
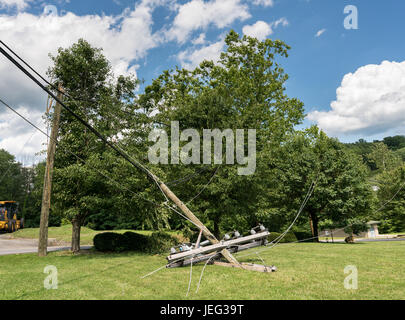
pixel 18 4
pixel 370 101
pixel 124 38
pixel 19 138
pixel 198 14
pixel 35 36
pixel 261 30
pixel 191 58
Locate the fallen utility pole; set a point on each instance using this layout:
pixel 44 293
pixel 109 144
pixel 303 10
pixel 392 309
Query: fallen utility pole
pixel 47 191
pixel 219 246
pixel 210 237
pixel 186 255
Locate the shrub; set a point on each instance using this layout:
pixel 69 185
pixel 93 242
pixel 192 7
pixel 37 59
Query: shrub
pixel 289 237
pixel 109 241
pixel 135 241
pixel 158 242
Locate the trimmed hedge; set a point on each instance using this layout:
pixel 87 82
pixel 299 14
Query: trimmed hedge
pixel 109 241
pixel 135 241
pixel 289 237
pixel 158 242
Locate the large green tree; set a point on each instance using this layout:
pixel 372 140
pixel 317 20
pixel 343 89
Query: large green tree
pixel 103 100
pixel 245 89
pixel 341 195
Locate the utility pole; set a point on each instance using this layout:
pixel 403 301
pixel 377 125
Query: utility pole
pixel 225 253
pixel 46 194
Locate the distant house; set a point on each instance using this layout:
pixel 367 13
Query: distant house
pixel 371 233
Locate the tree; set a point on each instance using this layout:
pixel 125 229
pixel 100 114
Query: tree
pixel 391 195
pixel 102 100
pixel 383 158
pixel 244 90
pixel 395 143
pixel 341 195
pixel 12 179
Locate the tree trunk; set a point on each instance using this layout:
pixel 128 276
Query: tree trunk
pixel 76 226
pixel 313 222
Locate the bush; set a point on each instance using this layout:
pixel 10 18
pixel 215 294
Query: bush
pixel 289 237
pixel 109 241
pixel 158 242
pixel 135 241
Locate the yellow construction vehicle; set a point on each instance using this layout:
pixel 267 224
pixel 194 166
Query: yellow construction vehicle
pixel 8 217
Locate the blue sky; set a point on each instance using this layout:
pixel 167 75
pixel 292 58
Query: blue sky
pixel 153 35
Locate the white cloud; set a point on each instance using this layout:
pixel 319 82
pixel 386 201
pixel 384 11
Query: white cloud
pixel 200 40
pixel 124 39
pixel 265 3
pixel 19 138
pixel 370 101
pixel 320 32
pixel 19 4
pixel 199 14
pixel 282 21
pixel 190 58
pixel 261 30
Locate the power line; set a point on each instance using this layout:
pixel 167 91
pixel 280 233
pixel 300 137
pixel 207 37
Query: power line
pixel 98 171
pixel 333 232
pixel 121 152
pixel 202 190
pixel 40 76
pixel 77 117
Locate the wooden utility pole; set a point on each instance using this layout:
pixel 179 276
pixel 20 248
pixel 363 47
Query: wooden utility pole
pixel 46 193
pixel 207 233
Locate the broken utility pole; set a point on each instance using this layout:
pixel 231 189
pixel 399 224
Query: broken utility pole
pixel 46 193
pixel 225 253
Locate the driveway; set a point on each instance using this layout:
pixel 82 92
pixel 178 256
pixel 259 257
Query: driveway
pixel 19 246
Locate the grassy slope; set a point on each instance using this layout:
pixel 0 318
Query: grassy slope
pixel 306 271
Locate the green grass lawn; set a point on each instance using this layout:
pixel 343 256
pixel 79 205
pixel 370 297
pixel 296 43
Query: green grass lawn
pixel 64 234
pixel 305 271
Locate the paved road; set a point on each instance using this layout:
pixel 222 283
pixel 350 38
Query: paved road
pixel 379 240
pixel 19 246
pixel 367 240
